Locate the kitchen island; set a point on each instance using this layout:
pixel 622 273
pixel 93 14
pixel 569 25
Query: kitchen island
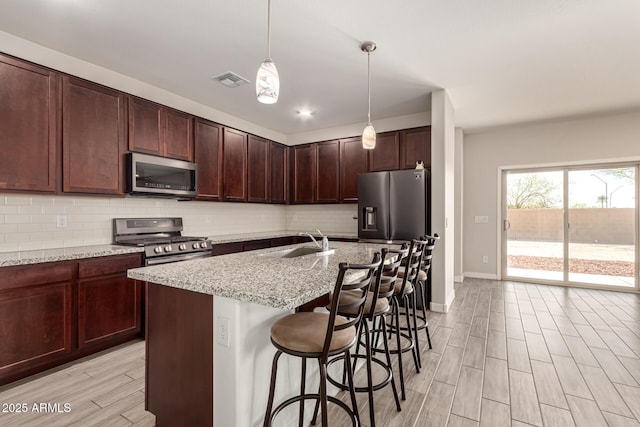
pixel 208 320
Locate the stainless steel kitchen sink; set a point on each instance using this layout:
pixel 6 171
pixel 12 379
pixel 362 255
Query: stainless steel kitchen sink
pixel 297 252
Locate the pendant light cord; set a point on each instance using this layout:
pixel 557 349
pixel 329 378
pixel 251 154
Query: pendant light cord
pixel 269 29
pixel 368 86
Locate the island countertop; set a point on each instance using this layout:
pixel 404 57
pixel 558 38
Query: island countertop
pixel 258 276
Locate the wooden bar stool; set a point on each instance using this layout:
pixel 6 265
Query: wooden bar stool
pixel 376 307
pixel 320 336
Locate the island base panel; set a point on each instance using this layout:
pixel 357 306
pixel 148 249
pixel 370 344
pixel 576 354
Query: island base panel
pixel 179 356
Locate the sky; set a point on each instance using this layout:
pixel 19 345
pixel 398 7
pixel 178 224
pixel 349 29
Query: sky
pixel 587 187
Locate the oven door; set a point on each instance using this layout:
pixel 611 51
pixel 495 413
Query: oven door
pixel 176 258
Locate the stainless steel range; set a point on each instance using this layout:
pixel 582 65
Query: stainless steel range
pixel 161 238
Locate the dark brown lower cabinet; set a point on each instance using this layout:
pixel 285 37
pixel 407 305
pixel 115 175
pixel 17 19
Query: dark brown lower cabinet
pixel 48 316
pixel 109 304
pixel 179 363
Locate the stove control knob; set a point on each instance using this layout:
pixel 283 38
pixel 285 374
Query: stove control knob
pixel 182 247
pixel 203 244
pixel 158 249
pixel 195 246
pixel 168 248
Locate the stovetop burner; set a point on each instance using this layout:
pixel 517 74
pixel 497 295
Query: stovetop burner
pixel 160 237
pixel 153 240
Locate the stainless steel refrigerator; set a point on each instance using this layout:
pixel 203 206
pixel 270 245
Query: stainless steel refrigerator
pixel 393 205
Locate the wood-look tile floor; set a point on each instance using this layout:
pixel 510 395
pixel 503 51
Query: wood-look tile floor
pixel 506 354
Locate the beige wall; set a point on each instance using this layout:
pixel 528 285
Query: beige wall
pixel 589 140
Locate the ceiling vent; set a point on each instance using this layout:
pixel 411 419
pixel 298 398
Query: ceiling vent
pixel 230 79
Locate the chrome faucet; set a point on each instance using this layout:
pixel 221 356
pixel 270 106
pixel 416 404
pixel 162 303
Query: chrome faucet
pixel 325 240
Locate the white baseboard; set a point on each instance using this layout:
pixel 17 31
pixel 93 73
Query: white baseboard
pixel 474 275
pixel 458 279
pixel 443 308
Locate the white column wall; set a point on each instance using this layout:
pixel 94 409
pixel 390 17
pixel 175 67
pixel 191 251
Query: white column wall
pixel 442 199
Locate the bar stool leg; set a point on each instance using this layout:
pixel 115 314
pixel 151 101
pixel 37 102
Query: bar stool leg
pixel 302 384
pixel 396 317
pixel 372 418
pixel 352 386
pixel 323 394
pixel 424 310
pixel 409 330
pixel 415 331
pixel 388 355
pixel 272 388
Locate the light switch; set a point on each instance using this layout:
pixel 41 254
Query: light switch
pixel 481 219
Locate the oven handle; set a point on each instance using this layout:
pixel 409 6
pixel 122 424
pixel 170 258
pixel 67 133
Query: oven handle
pixel 177 257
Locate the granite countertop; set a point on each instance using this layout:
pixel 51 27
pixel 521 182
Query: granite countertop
pixel 257 277
pixel 8 259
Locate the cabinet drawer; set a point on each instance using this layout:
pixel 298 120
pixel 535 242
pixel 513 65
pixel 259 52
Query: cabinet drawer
pixel 227 248
pixel 108 265
pixel 36 274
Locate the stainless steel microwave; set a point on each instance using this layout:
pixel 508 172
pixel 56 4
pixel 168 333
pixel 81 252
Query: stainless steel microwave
pixel 160 177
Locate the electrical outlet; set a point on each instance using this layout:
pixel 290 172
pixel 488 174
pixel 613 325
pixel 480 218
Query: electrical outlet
pixel 224 332
pixel 485 259
pixel 207 219
pixel 61 221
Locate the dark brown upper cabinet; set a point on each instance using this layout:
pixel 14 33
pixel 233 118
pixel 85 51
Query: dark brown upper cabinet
pixel 386 155
pixel 208 157
pixel 278 173
pixel 328 172
pixel 303 173
pixel 93 137
pixel 155 129
pixel 257 169
pixel 29 121
pixel 234 165
pixel 353 160
pixel 415 145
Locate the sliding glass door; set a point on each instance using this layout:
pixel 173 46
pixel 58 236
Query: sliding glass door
pixel 601 238
pixel 572 225
pixel 533 225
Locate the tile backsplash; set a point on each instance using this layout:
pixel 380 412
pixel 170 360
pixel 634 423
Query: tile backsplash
pixel 30 222
pixel 328 218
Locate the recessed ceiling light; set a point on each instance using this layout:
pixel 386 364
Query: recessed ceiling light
pixel 305 114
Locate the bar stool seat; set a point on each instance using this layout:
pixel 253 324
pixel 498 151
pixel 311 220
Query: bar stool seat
pixel 408 288
pixel 382 304
pixel 422 275
pixel 306 333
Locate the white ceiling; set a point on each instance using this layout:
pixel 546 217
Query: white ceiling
pixel 501 61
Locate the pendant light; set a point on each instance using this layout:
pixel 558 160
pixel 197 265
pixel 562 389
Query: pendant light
pixel 369 133
pixel 267 81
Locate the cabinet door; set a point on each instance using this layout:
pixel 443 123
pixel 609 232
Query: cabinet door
pixel 353 160
pixel 278 173
pixel 415 144
pixel 92 137
pixel 258 168
pixel 28 120
pixel 178 135
pixel 109 303
pixel 145 126
pixel 328 172
pixel 36 314
pixel 303 166
pixel 208 157
pixel 386 155
pixel 235 165
pixel 108 307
